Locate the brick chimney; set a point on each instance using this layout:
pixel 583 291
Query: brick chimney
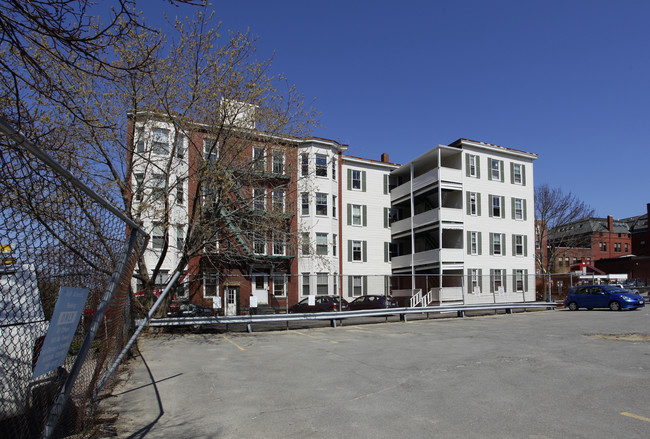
pixel 384 158
pixel 610 223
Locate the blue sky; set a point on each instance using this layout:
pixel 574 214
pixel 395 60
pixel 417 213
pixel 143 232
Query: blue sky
pixel 568 80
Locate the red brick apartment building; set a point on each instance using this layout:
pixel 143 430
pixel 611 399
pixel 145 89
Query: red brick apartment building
pixel 589 240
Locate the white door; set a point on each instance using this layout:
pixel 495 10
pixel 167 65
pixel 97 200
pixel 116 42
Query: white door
pixel 261 288
pixel 232 293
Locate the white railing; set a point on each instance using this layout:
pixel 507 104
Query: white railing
pixel 428 298
pixel 416 299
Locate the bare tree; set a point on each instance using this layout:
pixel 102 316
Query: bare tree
pixel 553 210
pixel 208 124
pixel 68 33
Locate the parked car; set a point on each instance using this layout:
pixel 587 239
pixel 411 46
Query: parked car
pixel 22 332
pixel 188 310
pixel 373 302
pixel 602 296
pixel 321 304
pixel 633 282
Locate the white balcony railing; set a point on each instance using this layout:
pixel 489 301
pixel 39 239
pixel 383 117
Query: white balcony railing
pixel 428 257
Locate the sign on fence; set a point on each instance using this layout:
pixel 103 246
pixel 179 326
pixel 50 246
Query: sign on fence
pixel 63 325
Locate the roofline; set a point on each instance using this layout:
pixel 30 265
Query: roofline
pixel 490 146
pixel 353 159
pixel 286 139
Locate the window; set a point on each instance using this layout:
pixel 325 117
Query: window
pixel 627 247
pixel 304 164
pixel 139 186
pixel 333 168
pixel 182 290
pixel 497 244
pixel 496 206
pixel 259 244
pixel 259 199
pixel 321 243
pixel 278 200
pixel 496 167
pixel 180 237
pixel 333 206
pixel 321 203
pixel 334 244
pixel 321 283
pixel 278 244
pixel 179 191
pixel 519 280
pixel 498 284
pixel 304 197
pixel 161 279
pixel 356 215
pixel 517 173
pixel 305 284
pixel 604 246
pixel 160 141
pixel 280 285
pixel 210 149
pixel 157 236
pixel 518 245
pixel 356 179
pixel 259 159
pixel 357 285
pixel 158 187
pixel 179 145
pixel 472 165
pixel 356 251
pixel 321 165
pixel 473 203
pixel 473 243
pixel 305 244
pixel 278 162
pixel 474 281
pixel 518 208
pixel 139 140
pixel 210 284
pixel 617 247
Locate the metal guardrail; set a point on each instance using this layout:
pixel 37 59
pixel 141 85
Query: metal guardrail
pixel 249 320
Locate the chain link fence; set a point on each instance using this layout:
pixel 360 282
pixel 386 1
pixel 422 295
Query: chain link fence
pixel 57 234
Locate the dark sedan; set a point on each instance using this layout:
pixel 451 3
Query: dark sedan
pixel 188 310
pixel 373 302
pixel 321 304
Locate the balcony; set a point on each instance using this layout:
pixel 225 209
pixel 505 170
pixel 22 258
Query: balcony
pixel 427 179
pixel 428 257
pixel 426 218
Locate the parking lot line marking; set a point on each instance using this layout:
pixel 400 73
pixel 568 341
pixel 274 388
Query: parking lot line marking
pixel 230 341
pixel 315 338
pixel 632 415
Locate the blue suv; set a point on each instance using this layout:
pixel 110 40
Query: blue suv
pixel 602 296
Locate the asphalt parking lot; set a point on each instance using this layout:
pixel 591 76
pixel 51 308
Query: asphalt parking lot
pixel 548 374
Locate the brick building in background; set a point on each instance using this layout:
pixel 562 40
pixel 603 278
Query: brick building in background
pixel 590 239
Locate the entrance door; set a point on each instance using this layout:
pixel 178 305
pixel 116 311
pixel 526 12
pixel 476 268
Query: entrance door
pixel 261 288
pixel 232 295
